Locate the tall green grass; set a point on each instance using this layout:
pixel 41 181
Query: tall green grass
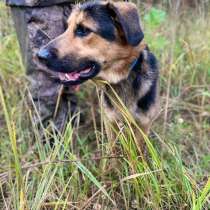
pixel 80 171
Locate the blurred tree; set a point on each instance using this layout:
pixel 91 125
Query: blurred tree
pixel 182 3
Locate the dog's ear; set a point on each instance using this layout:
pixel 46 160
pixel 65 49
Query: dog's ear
pixel 126 14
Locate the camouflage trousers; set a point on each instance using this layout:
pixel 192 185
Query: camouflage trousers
pixel 36 23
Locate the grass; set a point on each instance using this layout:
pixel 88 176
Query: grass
pixel 80 172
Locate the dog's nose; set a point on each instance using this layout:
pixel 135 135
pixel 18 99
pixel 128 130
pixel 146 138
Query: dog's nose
pixel 44 54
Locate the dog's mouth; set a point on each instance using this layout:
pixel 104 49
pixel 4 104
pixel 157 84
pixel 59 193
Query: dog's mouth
pixel 79 76
pixel 74 76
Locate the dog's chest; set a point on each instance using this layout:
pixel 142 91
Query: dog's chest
pixel 119 98
pixel 140 101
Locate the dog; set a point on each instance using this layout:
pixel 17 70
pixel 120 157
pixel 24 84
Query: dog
pixel 104 40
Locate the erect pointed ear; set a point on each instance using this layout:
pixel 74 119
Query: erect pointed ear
pixel 126 14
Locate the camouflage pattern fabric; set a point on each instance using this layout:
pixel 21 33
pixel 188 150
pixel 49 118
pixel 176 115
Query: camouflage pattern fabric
pixel 35 27
pixel 33 3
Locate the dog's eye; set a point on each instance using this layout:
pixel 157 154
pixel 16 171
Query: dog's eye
pixel 82 31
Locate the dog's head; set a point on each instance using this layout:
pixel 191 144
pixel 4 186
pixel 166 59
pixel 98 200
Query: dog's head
pixel 100 40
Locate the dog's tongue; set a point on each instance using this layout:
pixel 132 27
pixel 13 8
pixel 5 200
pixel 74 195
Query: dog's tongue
pixel 69 76
pixel 73 76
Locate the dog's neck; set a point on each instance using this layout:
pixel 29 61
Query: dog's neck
pixel 128 87
pixel 134 64
pixel 120 69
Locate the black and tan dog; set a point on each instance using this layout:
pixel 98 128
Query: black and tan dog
pixel 104 40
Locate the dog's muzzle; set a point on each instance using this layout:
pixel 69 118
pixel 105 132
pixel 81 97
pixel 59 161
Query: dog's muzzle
pixel 70 72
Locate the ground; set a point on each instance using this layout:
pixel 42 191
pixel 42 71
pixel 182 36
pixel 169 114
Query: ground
pixel 80 172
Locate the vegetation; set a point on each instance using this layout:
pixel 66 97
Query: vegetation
pixel 80 171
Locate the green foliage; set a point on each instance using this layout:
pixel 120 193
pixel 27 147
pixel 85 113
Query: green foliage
pixel 80 172
pixel 155 17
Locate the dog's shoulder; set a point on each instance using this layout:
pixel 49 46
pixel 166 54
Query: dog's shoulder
pixel 146 82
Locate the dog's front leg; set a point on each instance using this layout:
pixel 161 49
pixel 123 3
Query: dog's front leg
pixel 140 135
pixel 111 130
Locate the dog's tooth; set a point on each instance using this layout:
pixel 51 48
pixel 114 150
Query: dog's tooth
pixel 61 76
pixel 86 70
pixel 67 77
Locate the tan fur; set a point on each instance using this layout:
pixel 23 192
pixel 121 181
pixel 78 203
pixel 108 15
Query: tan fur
pixel 116 58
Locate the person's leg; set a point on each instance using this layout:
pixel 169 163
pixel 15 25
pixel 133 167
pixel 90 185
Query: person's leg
pixel 35 27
